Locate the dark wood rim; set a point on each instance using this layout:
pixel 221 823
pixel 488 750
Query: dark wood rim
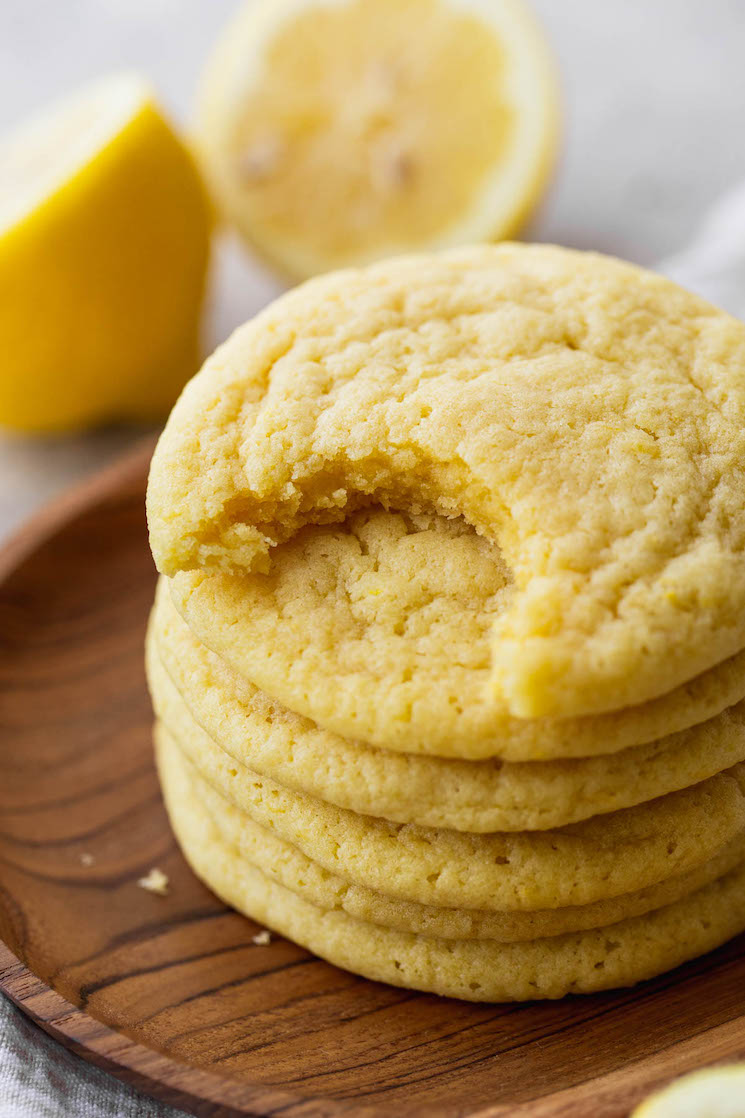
pixel 129 468
pixel 207 1095
pixel 144 1068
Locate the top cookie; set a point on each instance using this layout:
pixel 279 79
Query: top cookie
pixel 586 416
pixel 378 629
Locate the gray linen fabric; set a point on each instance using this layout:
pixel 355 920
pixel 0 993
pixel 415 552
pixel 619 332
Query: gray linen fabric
pixel 41 1079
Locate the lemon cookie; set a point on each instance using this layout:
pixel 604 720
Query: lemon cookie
pixel 285 864
pixel 585 416
pixel 478 970
pixel 431 791
pixel 401 606
pixel 586 862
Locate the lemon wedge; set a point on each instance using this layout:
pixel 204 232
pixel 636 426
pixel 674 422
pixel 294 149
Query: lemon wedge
pixel 712 1093
pixel 104 240
pixel 335 132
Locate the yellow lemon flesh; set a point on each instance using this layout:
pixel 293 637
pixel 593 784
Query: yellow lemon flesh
pixel 104 242
pixel 712 1093
pixel 334 132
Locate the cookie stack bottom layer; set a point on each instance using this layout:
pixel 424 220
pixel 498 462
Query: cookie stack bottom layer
pixel 475 969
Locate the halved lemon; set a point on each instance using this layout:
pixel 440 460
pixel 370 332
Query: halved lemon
pixel 104 241
pixel 335 132
pixel 712 1093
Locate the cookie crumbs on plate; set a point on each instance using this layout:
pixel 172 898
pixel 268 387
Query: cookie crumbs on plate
pixel 262 938
pixel 87 859
pixel 155 882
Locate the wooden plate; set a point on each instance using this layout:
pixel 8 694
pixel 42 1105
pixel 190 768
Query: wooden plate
pixel 170 993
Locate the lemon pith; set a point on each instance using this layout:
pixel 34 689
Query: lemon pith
pixel 102 263
pixel 717 1092
pixel 335 133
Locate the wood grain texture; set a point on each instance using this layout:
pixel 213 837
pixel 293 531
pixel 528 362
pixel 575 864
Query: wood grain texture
pixel 170 993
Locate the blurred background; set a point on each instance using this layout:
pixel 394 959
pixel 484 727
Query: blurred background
pixel 654 95
pixel 653 103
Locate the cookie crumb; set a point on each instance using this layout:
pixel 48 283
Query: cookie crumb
pixel 87 859
pixel 155 882
pixel 262 939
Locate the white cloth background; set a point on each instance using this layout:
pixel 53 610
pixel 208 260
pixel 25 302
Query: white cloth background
pixel 653 152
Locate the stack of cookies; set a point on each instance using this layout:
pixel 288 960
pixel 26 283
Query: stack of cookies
pixel 448 655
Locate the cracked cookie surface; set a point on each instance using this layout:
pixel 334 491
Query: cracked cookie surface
pixel 585 416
